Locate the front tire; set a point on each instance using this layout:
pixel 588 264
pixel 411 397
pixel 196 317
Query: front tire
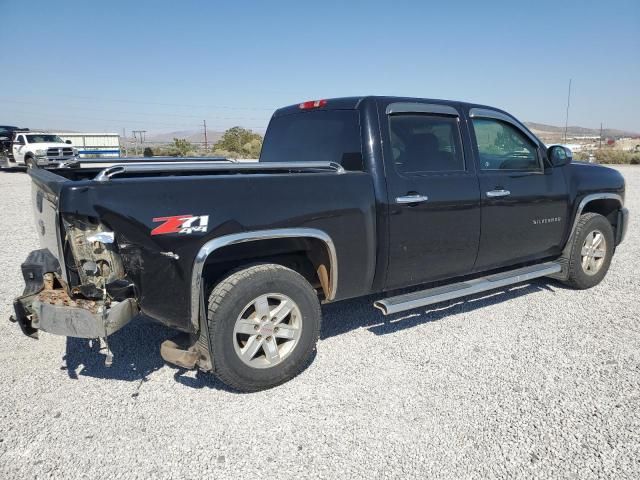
pixel 30 162
pixel 264 323
pixel 591 251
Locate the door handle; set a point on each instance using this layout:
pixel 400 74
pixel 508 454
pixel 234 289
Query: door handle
pixel 498 193
pixel 413 198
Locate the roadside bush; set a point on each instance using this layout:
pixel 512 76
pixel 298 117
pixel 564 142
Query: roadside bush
pixel 239 143
pixel 610 157
pixel 224 153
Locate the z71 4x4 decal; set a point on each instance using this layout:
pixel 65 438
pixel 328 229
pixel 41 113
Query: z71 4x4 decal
pixel 186 224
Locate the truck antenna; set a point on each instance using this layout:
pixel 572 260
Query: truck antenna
pixel 566 120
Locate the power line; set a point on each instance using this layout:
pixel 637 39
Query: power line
pixel 133 113
pixel 223 107
pixel 120 121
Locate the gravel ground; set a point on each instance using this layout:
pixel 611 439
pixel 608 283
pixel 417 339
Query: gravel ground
pixel 536 381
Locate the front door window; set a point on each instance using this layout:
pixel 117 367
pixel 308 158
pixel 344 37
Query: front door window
pixel 503 147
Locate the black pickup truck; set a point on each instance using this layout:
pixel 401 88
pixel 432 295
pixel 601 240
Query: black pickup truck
pixel 351 197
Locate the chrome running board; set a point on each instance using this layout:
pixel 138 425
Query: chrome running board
pixel 462 289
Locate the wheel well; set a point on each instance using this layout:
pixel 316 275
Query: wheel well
pixel 308 256
pixel 607 207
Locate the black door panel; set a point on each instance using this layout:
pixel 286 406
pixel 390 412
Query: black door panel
pixel 437 238
pixel 527 223
pixel 433 194
pixel 524 204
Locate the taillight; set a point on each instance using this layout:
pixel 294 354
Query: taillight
pixel 312 104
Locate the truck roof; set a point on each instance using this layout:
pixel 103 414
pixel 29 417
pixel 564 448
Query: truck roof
pixel 350 103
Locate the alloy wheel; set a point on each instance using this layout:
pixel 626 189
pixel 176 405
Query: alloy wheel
pixel 267 330
pixel 593 253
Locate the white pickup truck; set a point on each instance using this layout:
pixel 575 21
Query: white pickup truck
pixel 38 149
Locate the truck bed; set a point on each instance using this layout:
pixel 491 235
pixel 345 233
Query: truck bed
pixel 131 198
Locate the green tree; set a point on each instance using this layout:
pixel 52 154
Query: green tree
pixel 148 152
pixel 182 146
pixel 240 141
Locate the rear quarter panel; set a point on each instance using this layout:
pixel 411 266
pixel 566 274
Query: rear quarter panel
pixel 341 205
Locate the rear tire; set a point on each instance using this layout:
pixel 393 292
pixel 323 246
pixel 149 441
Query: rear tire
pixel 591 251
pixel 264 323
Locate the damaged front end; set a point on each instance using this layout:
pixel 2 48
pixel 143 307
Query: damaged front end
pixel 93 300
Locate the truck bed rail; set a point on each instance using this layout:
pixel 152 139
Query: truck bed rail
pixel 214 166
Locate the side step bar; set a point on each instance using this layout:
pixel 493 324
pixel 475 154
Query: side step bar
pixel 462 289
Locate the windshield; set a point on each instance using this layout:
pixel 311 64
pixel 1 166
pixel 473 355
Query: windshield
pixel 43 138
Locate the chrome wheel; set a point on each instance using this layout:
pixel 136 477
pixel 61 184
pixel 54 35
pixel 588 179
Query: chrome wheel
pixel 593 253
pixel 267 330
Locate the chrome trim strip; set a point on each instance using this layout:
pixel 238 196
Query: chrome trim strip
pixel 487 113
pixel 233 239
pixel 416 107
pixel 149 167
pixel 89 162
pixel 583 203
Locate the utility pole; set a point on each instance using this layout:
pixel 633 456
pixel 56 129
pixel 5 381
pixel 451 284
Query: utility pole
pixel 600 142
pixel 206 145
pixel 139 135
pixel 566 121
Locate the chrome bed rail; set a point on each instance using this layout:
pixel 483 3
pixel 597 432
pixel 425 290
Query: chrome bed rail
pixel 214 166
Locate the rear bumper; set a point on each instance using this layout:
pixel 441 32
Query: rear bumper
pixel 46 305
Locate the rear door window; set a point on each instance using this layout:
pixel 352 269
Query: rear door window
pixel 425 143
pixel 316 136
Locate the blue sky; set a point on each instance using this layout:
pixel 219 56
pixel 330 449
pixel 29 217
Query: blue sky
pixel 166 66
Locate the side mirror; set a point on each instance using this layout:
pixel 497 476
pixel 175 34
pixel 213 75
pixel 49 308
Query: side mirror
pixel 68 142
pixel 559 155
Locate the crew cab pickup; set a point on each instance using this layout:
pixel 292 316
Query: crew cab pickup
pixel 350 197
pixel 39 149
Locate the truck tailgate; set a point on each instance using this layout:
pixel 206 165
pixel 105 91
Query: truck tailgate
pixel 45 196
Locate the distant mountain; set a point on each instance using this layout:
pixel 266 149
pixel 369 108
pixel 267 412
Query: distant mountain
pixel 550 130
pixel 546 132
pixel 193 136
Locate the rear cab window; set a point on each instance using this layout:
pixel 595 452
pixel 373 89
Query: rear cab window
pixel 315 136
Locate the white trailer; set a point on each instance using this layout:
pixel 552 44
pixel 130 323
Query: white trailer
pixel 94 145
